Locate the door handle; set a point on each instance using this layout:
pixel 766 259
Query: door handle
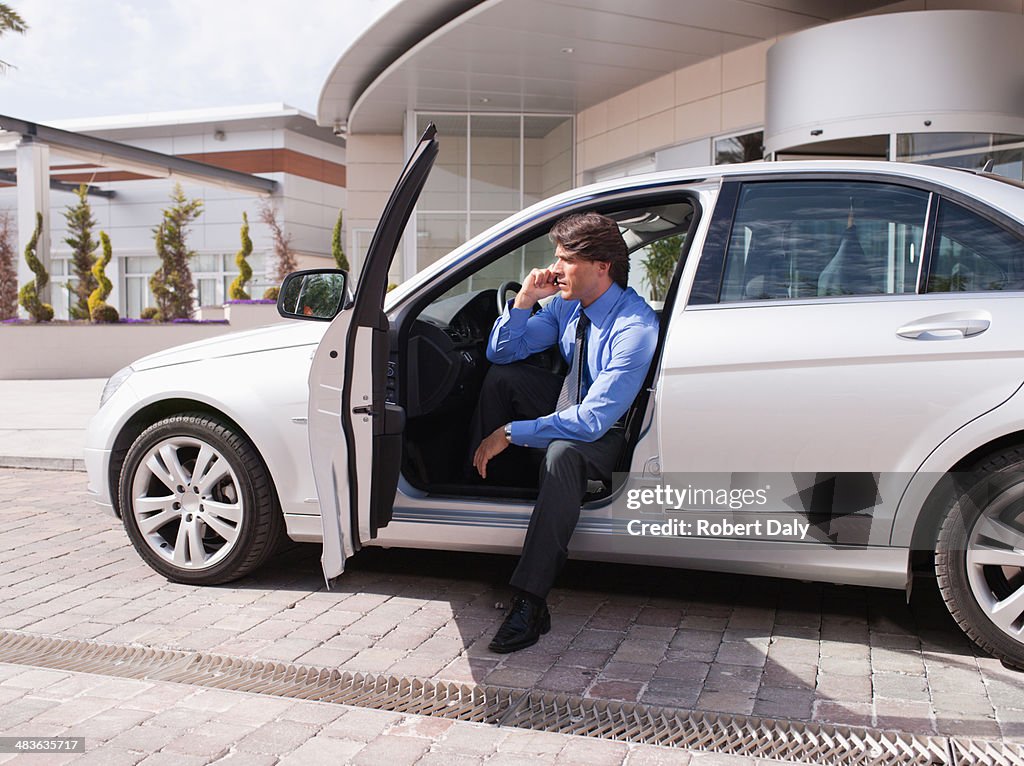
pixel 948 329
pixel 366 409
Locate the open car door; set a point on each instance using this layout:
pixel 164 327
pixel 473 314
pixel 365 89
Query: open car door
pixel 355 436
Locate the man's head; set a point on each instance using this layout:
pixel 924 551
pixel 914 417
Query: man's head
pixel 590 254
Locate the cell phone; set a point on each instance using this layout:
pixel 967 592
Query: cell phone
pixel 555 281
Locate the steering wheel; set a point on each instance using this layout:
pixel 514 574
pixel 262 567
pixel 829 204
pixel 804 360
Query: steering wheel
pixel 503 290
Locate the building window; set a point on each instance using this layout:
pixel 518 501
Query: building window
pixel 489 166
pixel 965 150
pixel 745 147
pixel 212 275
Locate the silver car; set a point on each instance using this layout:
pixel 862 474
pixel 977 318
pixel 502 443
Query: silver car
pixel 835 397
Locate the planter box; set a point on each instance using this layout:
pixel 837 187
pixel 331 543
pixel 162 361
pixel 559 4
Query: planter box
pixel 58 351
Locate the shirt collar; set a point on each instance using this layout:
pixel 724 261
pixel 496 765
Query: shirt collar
pixel 599 309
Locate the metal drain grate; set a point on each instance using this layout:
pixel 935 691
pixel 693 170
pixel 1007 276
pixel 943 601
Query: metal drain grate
pixel 563 714
pixel 734 735
pixel 974 752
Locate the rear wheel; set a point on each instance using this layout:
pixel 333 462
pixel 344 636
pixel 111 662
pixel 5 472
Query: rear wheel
pixel 979 556
pixel 197 501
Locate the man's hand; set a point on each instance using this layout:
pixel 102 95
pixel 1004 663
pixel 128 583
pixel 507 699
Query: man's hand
pixel 539 283
pixel 492 445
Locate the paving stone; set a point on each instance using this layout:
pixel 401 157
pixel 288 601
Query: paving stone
pixel 670 692
pixel 322 749
pixel 392 750
pixel 782 702
pixel 651 755
pixel 846 688
pixel 900 686
pixel 581 751
pixel 912 717
pixel 147 738
pixel 471 739
pixel 628 691
pixel 737 703
pixel 640 651
pixel 628 671
pixel 843 713
pixel 741 653
pixel 532 743
pixel 737 678
pixel 360 724
pixel 276 738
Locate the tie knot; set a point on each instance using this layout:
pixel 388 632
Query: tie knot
pixel 582 324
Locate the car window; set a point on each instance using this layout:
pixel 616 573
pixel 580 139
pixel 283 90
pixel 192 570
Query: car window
pixel 810 239
pixel 973 254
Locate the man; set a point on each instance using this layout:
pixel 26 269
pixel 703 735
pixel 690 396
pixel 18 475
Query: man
pixel 608 334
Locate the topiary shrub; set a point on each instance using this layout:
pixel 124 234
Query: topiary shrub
pixel 79 239
pixel 99 310
pixel 171 283
pixel 336 249
pixel 104 313
pixel 8 269
pixel 271 293
pixel 28 296
pixel 151 312
pixel 237 290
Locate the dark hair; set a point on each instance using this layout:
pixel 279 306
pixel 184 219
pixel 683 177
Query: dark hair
pixel 594 237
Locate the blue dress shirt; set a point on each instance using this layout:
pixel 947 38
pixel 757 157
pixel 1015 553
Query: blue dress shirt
pixel 620 345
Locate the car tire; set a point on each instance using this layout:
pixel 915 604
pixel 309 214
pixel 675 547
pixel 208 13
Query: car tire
pixel 979 556
pixel 197 501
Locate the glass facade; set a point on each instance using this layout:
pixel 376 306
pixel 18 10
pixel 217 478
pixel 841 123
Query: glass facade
pixel 488 167
pixel 965 150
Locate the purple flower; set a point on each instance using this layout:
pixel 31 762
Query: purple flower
pixel 253 301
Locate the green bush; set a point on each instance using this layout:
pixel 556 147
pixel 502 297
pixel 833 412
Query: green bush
pixel 151 312
pixel 79 239
pixel 336 249
pixel 172 283
pixel 28 296
pixel 99 310
pixel 104 313
pixel 237 290
pixel 271 293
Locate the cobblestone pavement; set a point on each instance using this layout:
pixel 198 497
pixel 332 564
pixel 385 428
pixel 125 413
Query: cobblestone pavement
pixel 721 643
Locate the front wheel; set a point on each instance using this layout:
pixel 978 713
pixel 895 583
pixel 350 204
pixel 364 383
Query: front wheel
pixel 979 556
pixel 197 501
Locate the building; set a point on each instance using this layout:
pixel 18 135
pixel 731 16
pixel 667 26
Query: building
pixel 533 96
pixel 232 159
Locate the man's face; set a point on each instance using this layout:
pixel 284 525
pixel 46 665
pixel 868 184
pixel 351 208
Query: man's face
pixel 579 279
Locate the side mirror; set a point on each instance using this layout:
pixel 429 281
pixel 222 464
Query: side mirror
pixel 313 294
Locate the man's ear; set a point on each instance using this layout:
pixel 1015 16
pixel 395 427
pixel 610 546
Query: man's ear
pixel 603 267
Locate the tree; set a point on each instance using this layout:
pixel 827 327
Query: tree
pixel 10 21
pixel 8 270
pixel 336 249
pixel 659 264
pixel 171 283
pixel 99 310
pixel 83 247
pixel 237 290
pixel 284 257
pixel 28 296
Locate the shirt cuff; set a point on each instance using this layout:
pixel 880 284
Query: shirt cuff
pixel 517 317
pixel 522 430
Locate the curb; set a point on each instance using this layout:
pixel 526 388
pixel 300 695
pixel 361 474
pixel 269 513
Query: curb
pixel 43 463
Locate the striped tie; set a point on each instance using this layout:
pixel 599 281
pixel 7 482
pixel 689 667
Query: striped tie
pixel 572 386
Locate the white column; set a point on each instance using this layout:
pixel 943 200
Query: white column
pixel 33 168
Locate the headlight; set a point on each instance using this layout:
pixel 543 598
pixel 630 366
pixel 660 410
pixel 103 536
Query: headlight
pixel 114 383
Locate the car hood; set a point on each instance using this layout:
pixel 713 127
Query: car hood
pixel 281 335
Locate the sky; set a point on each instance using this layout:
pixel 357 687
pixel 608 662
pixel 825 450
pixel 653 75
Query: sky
pixel 92 58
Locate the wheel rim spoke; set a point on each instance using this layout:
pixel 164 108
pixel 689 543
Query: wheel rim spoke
pixel 1007 612
pixel 197 554
pixel 228 511
pixel 151 524
pixel 216 472
pixel 221 527
pixel 181 546
pixel 169 456
pixel 995 557
pixel 159 471
pixel 999 531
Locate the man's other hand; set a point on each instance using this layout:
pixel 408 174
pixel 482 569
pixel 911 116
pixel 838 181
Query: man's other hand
pixel 492 445
pixel 539 283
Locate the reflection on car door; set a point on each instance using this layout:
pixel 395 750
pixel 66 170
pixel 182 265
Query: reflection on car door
pixel 354 433
pixel 817 356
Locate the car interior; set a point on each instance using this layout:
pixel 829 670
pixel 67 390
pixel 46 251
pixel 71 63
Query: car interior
pixel 438 350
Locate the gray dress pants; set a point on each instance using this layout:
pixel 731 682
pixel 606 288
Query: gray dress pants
pixel 522 392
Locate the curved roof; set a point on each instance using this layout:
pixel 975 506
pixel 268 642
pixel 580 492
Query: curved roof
pixel 547 56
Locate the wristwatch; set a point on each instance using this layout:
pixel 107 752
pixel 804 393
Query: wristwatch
pixel 508 432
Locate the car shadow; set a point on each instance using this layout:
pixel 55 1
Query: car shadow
pixel 694 640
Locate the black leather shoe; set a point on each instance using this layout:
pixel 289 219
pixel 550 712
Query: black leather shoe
pixel 525 624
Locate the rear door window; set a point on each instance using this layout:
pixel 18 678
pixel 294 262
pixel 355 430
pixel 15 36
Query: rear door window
pixel 815 239
pixel 973 254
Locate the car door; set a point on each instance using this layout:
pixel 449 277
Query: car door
pixel 815 364
pixel 355 435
